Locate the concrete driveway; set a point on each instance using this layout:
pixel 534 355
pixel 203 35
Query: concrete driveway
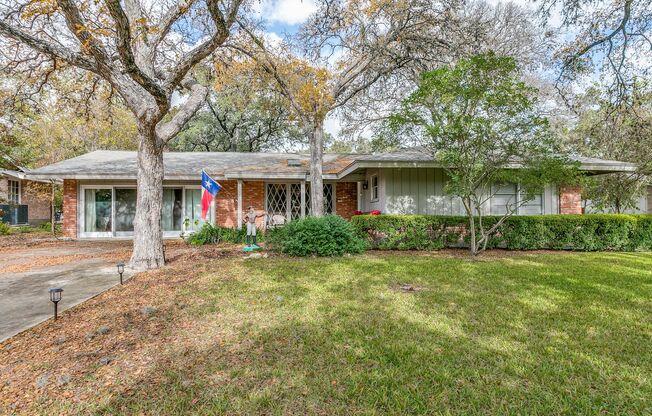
pixel 82 269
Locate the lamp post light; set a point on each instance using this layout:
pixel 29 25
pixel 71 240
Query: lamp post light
pixel 55 297
pixel 121 269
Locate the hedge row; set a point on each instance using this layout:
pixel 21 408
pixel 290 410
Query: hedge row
pixel 592 232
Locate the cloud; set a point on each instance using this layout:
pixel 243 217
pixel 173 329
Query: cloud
pixel 288 12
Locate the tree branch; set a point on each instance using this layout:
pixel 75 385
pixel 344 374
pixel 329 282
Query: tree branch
pixel 51 50
pixel 167 131
pixel 123 45
pixel 202 51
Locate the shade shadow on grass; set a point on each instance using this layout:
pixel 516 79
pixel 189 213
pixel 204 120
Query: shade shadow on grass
pixel 535 335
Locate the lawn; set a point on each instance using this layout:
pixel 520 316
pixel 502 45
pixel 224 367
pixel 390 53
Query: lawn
pixel 535 334
pixel 542 333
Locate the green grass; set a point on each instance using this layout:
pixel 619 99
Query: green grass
pixel 524 334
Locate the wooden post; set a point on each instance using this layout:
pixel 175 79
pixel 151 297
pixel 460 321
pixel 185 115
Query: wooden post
pixel 303 198
pixel 239 204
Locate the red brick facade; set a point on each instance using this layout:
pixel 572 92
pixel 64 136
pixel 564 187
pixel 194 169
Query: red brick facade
pixel 226 204
pixel 70 208
pixel 570 200
pixel 346 194
pixel 226 208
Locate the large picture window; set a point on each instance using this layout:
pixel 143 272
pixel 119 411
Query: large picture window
pixel 192 218
pixel 97 211
pixel 125 210
pixel 110 211
pixel 171 216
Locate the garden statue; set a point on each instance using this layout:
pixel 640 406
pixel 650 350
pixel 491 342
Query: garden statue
pixel 250 220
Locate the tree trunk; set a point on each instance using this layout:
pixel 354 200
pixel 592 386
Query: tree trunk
pixel 52 226
pixel 469 212
pixel 148 243
pixel 316 161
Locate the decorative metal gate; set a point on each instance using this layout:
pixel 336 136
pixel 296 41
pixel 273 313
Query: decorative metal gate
pixel 277 200
pixel 285 199
pixel 328 199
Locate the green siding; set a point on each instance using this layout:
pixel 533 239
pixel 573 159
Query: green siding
pixel 421 191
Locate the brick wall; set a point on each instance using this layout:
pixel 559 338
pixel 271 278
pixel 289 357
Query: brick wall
pixel 570 200
pixel 70 208
pixel 226 204
pixel 346 194
pixel 37 197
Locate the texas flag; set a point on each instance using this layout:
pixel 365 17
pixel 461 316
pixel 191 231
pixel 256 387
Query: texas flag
pixel 209 189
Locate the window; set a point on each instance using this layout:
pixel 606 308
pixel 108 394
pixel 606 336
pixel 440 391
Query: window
pixel 509 198
pixel 14 192
pixel 97 210
pixel 172 209
pixel 125 210
pixel 503 199
pixel 374 187
pixel 192 219
pixel 531 207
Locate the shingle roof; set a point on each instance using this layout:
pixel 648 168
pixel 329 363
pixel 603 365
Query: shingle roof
pixel 187 165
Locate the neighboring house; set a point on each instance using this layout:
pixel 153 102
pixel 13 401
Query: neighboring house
pixel 100 188
pixel 23 201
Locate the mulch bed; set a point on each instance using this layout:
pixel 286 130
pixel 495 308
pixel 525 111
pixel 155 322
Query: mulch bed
pixel 87 352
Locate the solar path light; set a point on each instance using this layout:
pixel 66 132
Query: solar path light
pixel 121 269
pixel 55 297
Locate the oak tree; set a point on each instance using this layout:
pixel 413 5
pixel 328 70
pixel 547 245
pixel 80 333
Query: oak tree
pixel 145 52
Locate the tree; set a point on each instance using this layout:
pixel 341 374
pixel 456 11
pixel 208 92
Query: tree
pixel 472 28
pixel 479 120
pixel 613 36
pixel 342 50
pixel 243 113
pixel 145 53
pixel 52 128
pixel 621 131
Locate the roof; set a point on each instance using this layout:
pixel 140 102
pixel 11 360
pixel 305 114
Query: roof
pixel 105 164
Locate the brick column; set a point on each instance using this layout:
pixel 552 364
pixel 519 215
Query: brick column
pixel 346 194
pixel 570 200
pixel 70 208
pixel 226 204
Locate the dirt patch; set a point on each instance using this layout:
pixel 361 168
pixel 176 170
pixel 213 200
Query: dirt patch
pixel 406 288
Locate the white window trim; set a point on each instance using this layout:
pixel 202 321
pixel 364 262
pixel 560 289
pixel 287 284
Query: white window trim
pixel 20 191
pixel 81 206
pixel 372 187
pixel 518 202
pixel 81 223
pixel 211 211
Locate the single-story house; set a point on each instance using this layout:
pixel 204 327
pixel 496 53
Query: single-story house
pixel 100 188
pixel 23 201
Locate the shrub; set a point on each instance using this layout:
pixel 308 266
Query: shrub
pixel 592 232
pixel 213 234
pixel 321 236
pixel 4 228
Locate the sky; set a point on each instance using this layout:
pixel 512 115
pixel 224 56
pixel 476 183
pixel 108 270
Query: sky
pixel 285 16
